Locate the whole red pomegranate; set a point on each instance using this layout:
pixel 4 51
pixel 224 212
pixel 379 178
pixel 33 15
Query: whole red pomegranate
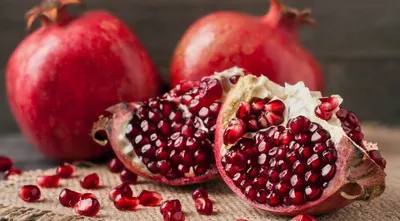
pixel 289 151
pixel 63 75
pixel 169 139
pixel 266 45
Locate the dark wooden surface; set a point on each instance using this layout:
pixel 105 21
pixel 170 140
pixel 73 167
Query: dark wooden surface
pixel 356 41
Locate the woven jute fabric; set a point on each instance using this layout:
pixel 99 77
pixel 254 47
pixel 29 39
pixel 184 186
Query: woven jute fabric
pixel 226 205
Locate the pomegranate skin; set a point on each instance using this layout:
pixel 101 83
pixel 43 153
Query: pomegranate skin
pixel 62 76
pixel 267 45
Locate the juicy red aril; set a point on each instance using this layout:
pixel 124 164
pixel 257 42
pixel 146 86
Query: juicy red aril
pixel 11 172
pixel 204 206
pixel 87 207
pixel 276 106
pixel 351 125
pixel 5 163
pixel 174 216
pixel 87 196
pixel 170 206
pixel 376 156
pixel 128 177
pixel 149 198
pixel 283 166
pixel 65 171
pixel 115 165
pixel 69 198
pixel 303 217
pixel 199 192
pixel 243 110
pixel 91 181
pixel 234 79
pixel 29 193
pixel 234 131
pixel 126 203
pixel 324 111
pixel 50 181
pixel 123 189
pixel 333 101
pixel 210 90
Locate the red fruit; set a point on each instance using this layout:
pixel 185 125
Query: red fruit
pixel 91 181
pixel 149 198
pixel 5 163
pixel 174 216
pixel 303 164
pixel 115 165
pixel 87 207
pixel 222 41
pixel 128 177
pixel 29 193
pixel 65 171
pixel 92 60
pixel 87 196
pixel 126 203
pixel 199 193
pixel 204 206
pixel 169 139
pixel 303 217
pixel 123 189
pixel 69 198
pixel 171 206
pixel 50 181
pixel 12 172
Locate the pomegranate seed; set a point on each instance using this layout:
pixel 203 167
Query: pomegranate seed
pixel 258 105
pixel 174 216
pixel 123 189
pixel 234 131
pixel 87 207
pixel 29 193
pixel 313 193
pixel 314 162
pixel 5 163
pixel 199 192
pixel 91 181
pixel 234 79
pixel 48 181
pixel 324 111
pixel 311 177
pixel 320 136
pixel 149 198
pixel 210 90
pixel 69 198
pixel 126 203
pixel 296 197
pixel 352 119
pixel 274 119
pixel 204 206
pixel 282 188
pixel 376 156
pixel 303 217
pixel 333 101
pixel 65 171
pixel 128 177
pixel 12 172
pixel 87 196
pixel 299 124
pixel 276 106
pixel 273 199
pixel 243 110
pixel 328 172
pixel 170 206
pixel 115 165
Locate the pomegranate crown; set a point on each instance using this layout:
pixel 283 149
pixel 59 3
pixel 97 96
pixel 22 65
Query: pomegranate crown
pixel 48 10
pixel 280 13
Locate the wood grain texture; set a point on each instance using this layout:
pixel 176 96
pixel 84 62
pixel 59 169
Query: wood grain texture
pixel 356 42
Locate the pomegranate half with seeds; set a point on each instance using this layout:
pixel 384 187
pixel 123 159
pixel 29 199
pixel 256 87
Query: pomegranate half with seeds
pixel 169 139
pixel 288 150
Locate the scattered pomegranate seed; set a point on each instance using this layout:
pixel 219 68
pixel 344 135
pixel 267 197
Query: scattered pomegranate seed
pixel 87 207
pixel 149 198
pixel 5 163
pixel 91 181
pixel 115 165
pixel 12 172
pixel 126 203
pixel 204 206
pixel 69 198
pixel 199 192
pixel 50 181
pixel 174 216
pixel 241 220
pixel 87 196
pixel 65 171
pixel 303 217
pixel 128 177
pixel 170 206
pixel 123 189
pixel 29 193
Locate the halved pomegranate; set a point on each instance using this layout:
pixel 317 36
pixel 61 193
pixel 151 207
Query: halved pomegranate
pixel 169 139
pixel 287 158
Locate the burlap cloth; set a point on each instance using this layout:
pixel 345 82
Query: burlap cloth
pixel 227 206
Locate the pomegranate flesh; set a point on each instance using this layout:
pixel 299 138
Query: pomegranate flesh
pixel 292 159
pixel 68 71
pixel 29 193
pixel 65 171
pixel 264 45
pixel 174 216
pixel 123 189
pixel 169 139
pixel 91 181
pixel 69 198
pixel 149 198
pixel 126 203
pixel 204 206
pixel 171 206
pixel 50 181
pixel 87 207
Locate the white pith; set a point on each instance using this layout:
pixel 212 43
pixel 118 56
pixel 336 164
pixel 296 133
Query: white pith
pixel 127 147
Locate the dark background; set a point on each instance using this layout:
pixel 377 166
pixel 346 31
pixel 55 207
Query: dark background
pixel 357 42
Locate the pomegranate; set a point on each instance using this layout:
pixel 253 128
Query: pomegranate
pixel 128 177
pixel 123 189
pixel 126 203
pixel 303 217
pixel 50 181
pixel 115 165
pixel 199 192
pixel 171 206
pixel 69 198
pixel 169 139
pixel 65 170
pixel 93 60
pixel 264 45
pixel 149 198
pixel 91 181
pixel 293 161
pixel 5 163
pixel 87 196
pixel 204 206
pixel 29 193
pixel 87 207
pixel 12 172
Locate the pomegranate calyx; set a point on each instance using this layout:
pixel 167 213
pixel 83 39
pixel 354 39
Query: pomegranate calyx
pixel 49 10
